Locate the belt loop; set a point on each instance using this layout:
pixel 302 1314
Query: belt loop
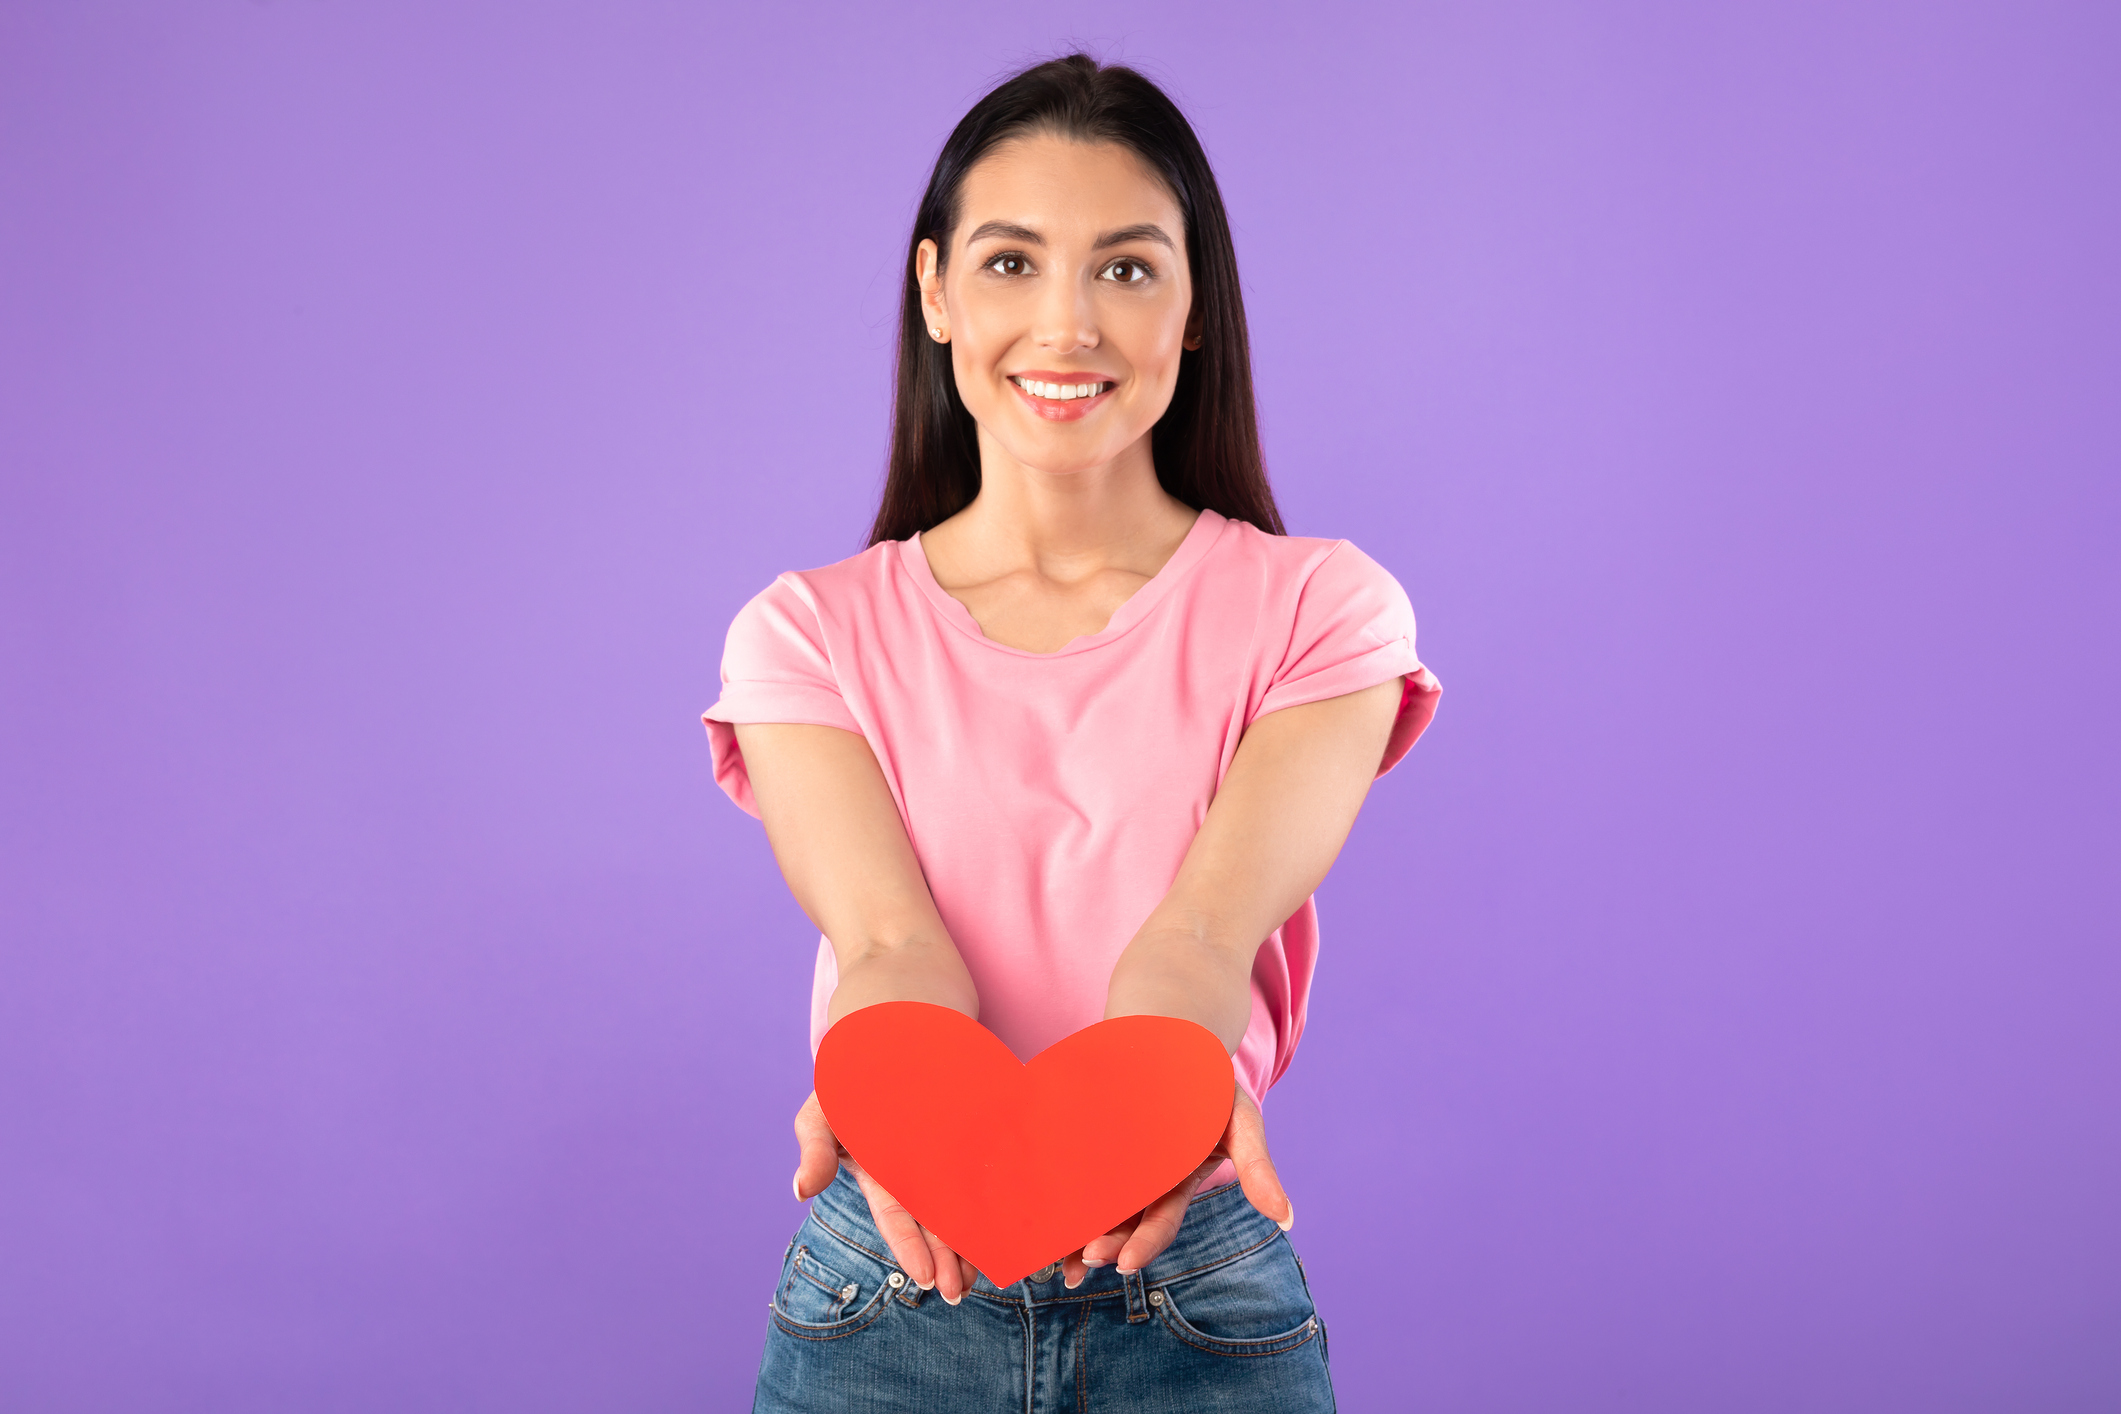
pixel 1137 1307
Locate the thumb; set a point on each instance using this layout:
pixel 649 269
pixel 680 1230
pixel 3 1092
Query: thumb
pixel 819 1157
pixel 1245 1144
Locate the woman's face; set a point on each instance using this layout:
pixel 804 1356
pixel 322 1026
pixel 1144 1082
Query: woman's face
pixel 1066 300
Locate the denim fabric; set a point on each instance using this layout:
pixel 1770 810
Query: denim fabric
pixel 1221 1321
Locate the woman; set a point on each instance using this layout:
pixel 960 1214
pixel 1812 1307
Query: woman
pixel 1076 737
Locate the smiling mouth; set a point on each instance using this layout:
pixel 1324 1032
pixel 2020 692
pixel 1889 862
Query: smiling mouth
pixel 1060 392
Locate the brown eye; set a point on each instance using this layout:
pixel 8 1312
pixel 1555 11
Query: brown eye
pixel 1127 272
pixel 1008 265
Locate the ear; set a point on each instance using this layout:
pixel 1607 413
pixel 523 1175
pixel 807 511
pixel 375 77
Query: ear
pixel 928 273
pixel 1194 323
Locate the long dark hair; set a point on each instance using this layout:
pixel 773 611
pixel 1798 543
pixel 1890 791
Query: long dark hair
pixel 1206 445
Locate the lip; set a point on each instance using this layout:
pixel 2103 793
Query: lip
pixel 1054 410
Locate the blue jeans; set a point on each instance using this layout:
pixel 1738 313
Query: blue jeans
pixel 1222 1320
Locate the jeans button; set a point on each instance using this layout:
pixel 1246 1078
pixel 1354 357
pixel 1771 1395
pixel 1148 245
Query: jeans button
pixel 896 1280
pixel 1156 1298
pixel 1044 1272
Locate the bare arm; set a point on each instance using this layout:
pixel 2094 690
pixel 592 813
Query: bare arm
pixel 843 849
pixel 1274 829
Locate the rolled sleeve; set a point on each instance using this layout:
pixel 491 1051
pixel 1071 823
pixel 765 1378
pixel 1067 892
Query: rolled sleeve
pixel 1354 629
pixel 774 669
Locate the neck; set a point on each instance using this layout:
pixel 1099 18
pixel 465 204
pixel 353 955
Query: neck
pixel 1114 514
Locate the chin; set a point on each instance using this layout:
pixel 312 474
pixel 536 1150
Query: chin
pixel 1050 460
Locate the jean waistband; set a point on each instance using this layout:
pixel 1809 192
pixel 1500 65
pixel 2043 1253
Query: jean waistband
pixel 1220 1225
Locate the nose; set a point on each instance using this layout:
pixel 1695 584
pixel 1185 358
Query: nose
pixel 1066 321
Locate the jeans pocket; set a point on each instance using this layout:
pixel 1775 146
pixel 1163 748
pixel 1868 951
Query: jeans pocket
pixel 1255 1305
pixel 827 1288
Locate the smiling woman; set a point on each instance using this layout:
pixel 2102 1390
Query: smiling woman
pixel 1206 444
pixel 1075 738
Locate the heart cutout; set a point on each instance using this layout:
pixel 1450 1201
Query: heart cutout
pixel 1016 1165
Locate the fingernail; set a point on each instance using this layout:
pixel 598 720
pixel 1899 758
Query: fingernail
pixel 1285 1226
pixel 796 1183
pixel 1071 1285
pixel 952 1300
pixel 925 1285
pixel 1094 1262
pixel 1129 1271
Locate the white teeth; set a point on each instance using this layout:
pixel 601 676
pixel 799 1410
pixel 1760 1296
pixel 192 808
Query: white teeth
pixel 1060 392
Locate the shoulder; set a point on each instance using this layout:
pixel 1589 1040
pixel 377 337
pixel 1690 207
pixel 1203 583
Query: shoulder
pixel 1345 625
pixel 1298 568
pixel 815 595
pixel 795 619
pixel 854 577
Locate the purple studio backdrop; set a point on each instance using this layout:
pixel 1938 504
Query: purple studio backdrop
pixel 1719 1009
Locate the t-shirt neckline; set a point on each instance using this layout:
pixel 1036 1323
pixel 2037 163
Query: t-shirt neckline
pixel 1207 528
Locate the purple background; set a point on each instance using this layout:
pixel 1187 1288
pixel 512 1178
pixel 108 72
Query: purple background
pixel 396 401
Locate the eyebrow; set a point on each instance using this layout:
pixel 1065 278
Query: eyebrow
pixel 1009 230
pixel 1146 231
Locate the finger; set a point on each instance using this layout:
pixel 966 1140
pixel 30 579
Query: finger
pixel 818 1150
pixel 908 1244
pixel 1158 1226
pixel 950 1283
pixel 1074 1269
pixel 1246 1144
pixel 1103 1251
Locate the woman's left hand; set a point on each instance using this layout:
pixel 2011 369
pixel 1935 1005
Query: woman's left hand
pixel 1137 1242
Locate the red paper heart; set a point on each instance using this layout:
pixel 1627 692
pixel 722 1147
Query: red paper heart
pixel 1017 1165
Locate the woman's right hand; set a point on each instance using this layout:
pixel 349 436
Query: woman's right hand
pixel 925 1258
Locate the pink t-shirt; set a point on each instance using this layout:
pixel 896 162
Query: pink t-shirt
pixel 1051 797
